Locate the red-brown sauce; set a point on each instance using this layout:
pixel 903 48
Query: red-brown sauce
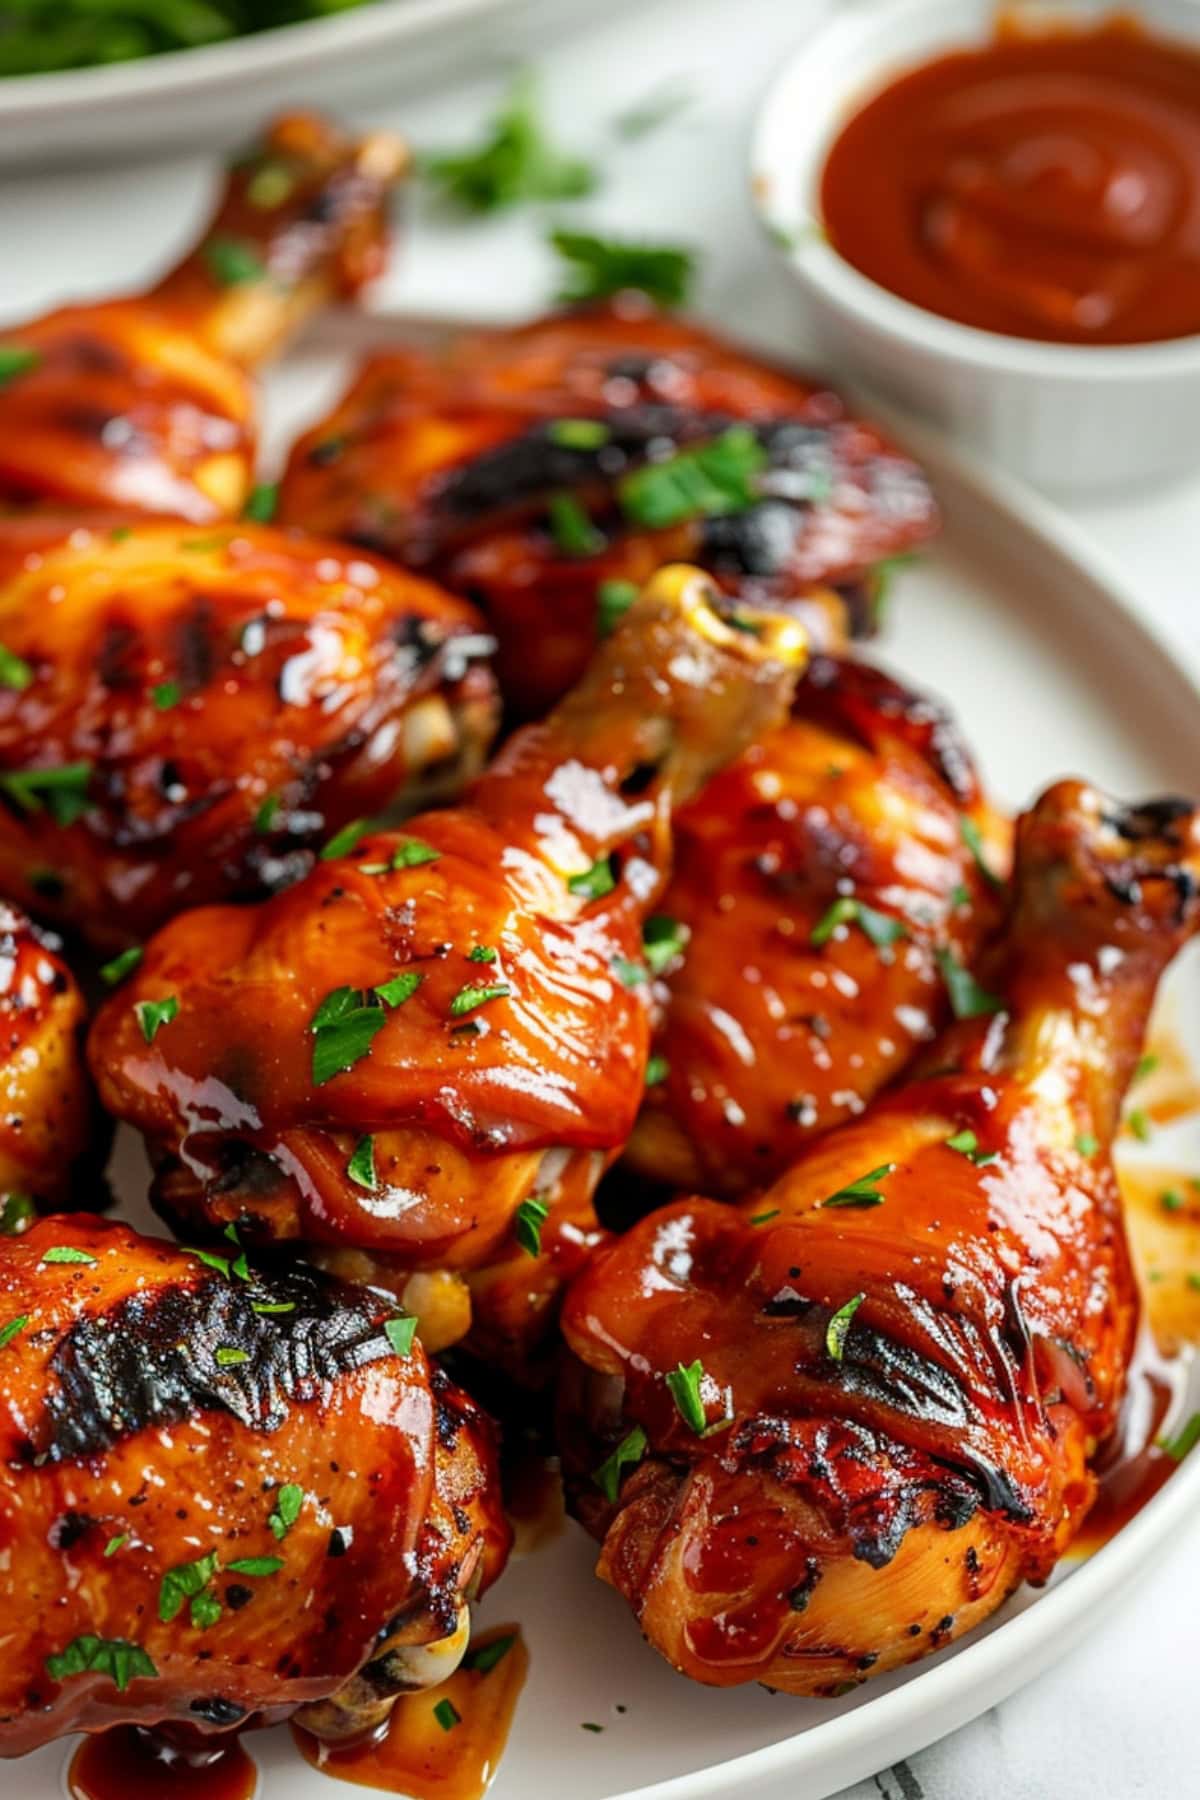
pixel 426 1751
pixel 1046 185
pixel 1134 1466
pixel 128 1763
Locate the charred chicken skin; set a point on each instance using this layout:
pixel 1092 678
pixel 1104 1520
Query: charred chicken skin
pixel 817 882
pixel 227 1495
pixel 829 1429
pixel 50 1130
pixel 188 718
pixel 547 471
pixel 146 403
pixel 438 1038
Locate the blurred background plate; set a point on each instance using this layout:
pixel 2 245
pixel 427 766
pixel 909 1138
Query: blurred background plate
pixel 205 95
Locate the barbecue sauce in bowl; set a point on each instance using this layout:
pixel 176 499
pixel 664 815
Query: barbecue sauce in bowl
pixel 1045 185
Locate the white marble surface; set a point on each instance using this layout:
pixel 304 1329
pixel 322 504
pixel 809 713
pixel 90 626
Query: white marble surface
pixel 1114 1720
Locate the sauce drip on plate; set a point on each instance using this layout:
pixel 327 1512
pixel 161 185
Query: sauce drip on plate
pixel 445 1744
pixel 1045 185
pixel 128 1763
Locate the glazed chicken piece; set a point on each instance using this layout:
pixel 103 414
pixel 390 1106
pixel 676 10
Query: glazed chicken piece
pixel 833 1428
pixel 227 1495
pixel 51 1135
pixel 189 718
pixel 817 883
pixel 439 1036
pixel 547 471
pixel 147 402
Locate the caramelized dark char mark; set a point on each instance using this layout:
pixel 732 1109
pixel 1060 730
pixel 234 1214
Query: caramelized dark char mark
pixel 151 1360
pixel 871 704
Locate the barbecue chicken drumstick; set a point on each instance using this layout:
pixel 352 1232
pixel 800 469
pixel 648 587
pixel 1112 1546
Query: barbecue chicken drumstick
pixel 830 1429
pixel 188 718
pixel 50 1130
pixel 547 471
pixel 439 1038
pixel 817 881
pixel 147 402
pixel 227 1496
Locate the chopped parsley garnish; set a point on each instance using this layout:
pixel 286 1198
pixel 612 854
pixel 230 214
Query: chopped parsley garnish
pixel 210 1259
pixel 183 1583
pixel 15 672
pixel 117 1658
pixel 361 1167
pixel 1171 1200
pixel 838 1328
pixel 289 1500
pixel 590 1725
pixel 229 1357
pixel 256 1566
pixel 684 1384
pixel 66 1253
pixel 413 853
pixel 599 267
pixel 447 1715
pixel 240 1267
pixel 531 1215
pixel 973 839
pixel 764 1218
pixel 10 1330
pixel 205 1610
pixel 61 792
pixel 484 1659
pixel 653 110
pixel 231 262
pixel 1139 1124
pixel 400 1333
pixel 657 1070
pixel 704 482
pixel 959 897
pixel 115 1543
pixel 627 1455
pixel 345 840
pixel 115 971
pixel 879 927
pixel 967 1144
pixel 514 163
pixel 343 1028
pixel 400 988
pixel 482 953
pixel 630 974
pixel 166 695
pixel 572 528
pixel 595 882
pixel 16 359
pixel 578 434
pixel 1146 1066
pixel 1184 1441
pixel 864 1191
pixel 268 812
pixel 663 939
pixel 272 1306
pixel 468 998
pixel 262 503
pixel 967 999
pixel 17 1213
pixel 613 601
pixel 152 1015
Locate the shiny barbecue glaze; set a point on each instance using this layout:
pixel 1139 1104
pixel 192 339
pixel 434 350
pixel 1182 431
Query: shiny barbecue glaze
pixel 768 1037
pixel 875 1494
pixel 447 462
pixel 51 1133
pixel 150 1416
pixel 228 701
pixel 474 1104
pixel 145 402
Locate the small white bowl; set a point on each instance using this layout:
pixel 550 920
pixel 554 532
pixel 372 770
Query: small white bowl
pixel 1065 416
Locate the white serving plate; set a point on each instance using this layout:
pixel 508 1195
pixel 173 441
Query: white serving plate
pixel 189 97
pixel 1017 621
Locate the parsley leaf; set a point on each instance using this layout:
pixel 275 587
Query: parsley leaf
pixel 598 268
pixel 1184 1441
pixel 228 1356
pixel 400 1333
pixel 231 262
pixel 484 1659
pixel 345 840
pixel 967 999
pixel 967 1144
pixel 447 1715
pixel 9 1331
pixel 117 1658
pixel 268 812
pixel 166 695
pixel 704 482
pixel 663 939
pixel 572 529
pixel 400 988
pixel 838 1328
pixel 289 1500
pixel 15 672
pixel 17 1213
pixel 595 882
pixel 262 503
pixel 880 927
pixel 973 839
pixel 413 853
pixel 468 998
pixel 62 792
pixel 578 434
pixel 361 1167
pixel 628 1453
pixel 864 1191
pixel 257 1566
pixel 530 1216
pixel 1087 1143
pixel 657 1070
pixel 684 1384
pixel 182 1583
pixel 16 359
pixel 152 1015
pixel 121 966
pixel 482 953
pixel 66 1253
pixel 343 1028
pixel 515 162
pixel 613 601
